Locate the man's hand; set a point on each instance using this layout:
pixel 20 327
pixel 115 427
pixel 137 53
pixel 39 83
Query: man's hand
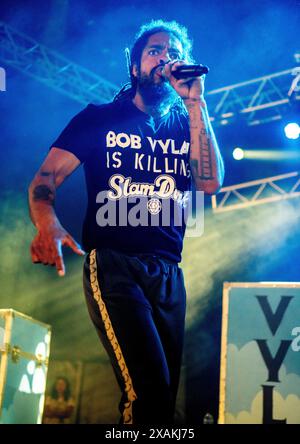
pixel 46 247
pixel 205 159
pixel 191 88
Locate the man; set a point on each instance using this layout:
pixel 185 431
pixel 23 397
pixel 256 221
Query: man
pixel 147 144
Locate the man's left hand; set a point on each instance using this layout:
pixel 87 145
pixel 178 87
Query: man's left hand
pixel 191 88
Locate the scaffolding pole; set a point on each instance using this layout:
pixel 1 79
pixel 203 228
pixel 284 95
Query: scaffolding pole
pixel 256 101
pixel 51 68
pixel 257 192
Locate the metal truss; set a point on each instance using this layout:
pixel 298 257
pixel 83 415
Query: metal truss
pixel 52 69
pixel 256 192
pixel 256 101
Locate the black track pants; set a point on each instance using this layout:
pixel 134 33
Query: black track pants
pixel 137 304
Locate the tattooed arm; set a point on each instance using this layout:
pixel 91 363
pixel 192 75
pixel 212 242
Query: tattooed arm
pixel 46 247
pixel 205 158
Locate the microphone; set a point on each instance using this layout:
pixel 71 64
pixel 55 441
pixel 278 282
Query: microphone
pixel 185 71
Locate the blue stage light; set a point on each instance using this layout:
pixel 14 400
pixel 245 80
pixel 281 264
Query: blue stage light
pixel 292 130
pixel 238 153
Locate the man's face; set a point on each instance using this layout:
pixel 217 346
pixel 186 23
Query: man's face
pixel 161 48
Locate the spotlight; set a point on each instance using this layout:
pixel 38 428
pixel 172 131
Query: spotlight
pixel 292 130
pixel 238 153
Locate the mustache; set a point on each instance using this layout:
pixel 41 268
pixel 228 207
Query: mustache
pixel 152 72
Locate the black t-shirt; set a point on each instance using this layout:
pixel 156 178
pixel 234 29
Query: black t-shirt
pixel 137 174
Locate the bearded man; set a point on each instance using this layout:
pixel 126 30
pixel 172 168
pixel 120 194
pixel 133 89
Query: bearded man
pixel 155 137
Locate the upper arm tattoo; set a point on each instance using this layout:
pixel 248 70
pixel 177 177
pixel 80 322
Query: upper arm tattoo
pixel 44 193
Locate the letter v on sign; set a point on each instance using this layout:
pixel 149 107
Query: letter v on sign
pixel 274 319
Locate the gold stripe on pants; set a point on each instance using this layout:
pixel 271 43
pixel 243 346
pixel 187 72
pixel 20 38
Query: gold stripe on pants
pixel 131 396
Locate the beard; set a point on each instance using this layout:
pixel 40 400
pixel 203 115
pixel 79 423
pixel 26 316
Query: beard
pixel 156 94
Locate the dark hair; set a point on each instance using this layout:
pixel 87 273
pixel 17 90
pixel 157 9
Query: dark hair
pixel 141 39
pixel 67 392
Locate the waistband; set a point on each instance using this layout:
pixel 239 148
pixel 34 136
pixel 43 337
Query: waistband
pixel 140 256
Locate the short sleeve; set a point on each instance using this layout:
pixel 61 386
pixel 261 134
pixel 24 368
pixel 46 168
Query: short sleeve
pixel 78 136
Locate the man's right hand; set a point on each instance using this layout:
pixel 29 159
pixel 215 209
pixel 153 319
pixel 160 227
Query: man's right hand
pixel 46 247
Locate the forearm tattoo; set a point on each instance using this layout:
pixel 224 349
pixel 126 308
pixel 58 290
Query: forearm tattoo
pixel 202 165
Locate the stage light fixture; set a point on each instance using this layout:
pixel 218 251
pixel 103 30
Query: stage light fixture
pixel 238 153
pixel 292 130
